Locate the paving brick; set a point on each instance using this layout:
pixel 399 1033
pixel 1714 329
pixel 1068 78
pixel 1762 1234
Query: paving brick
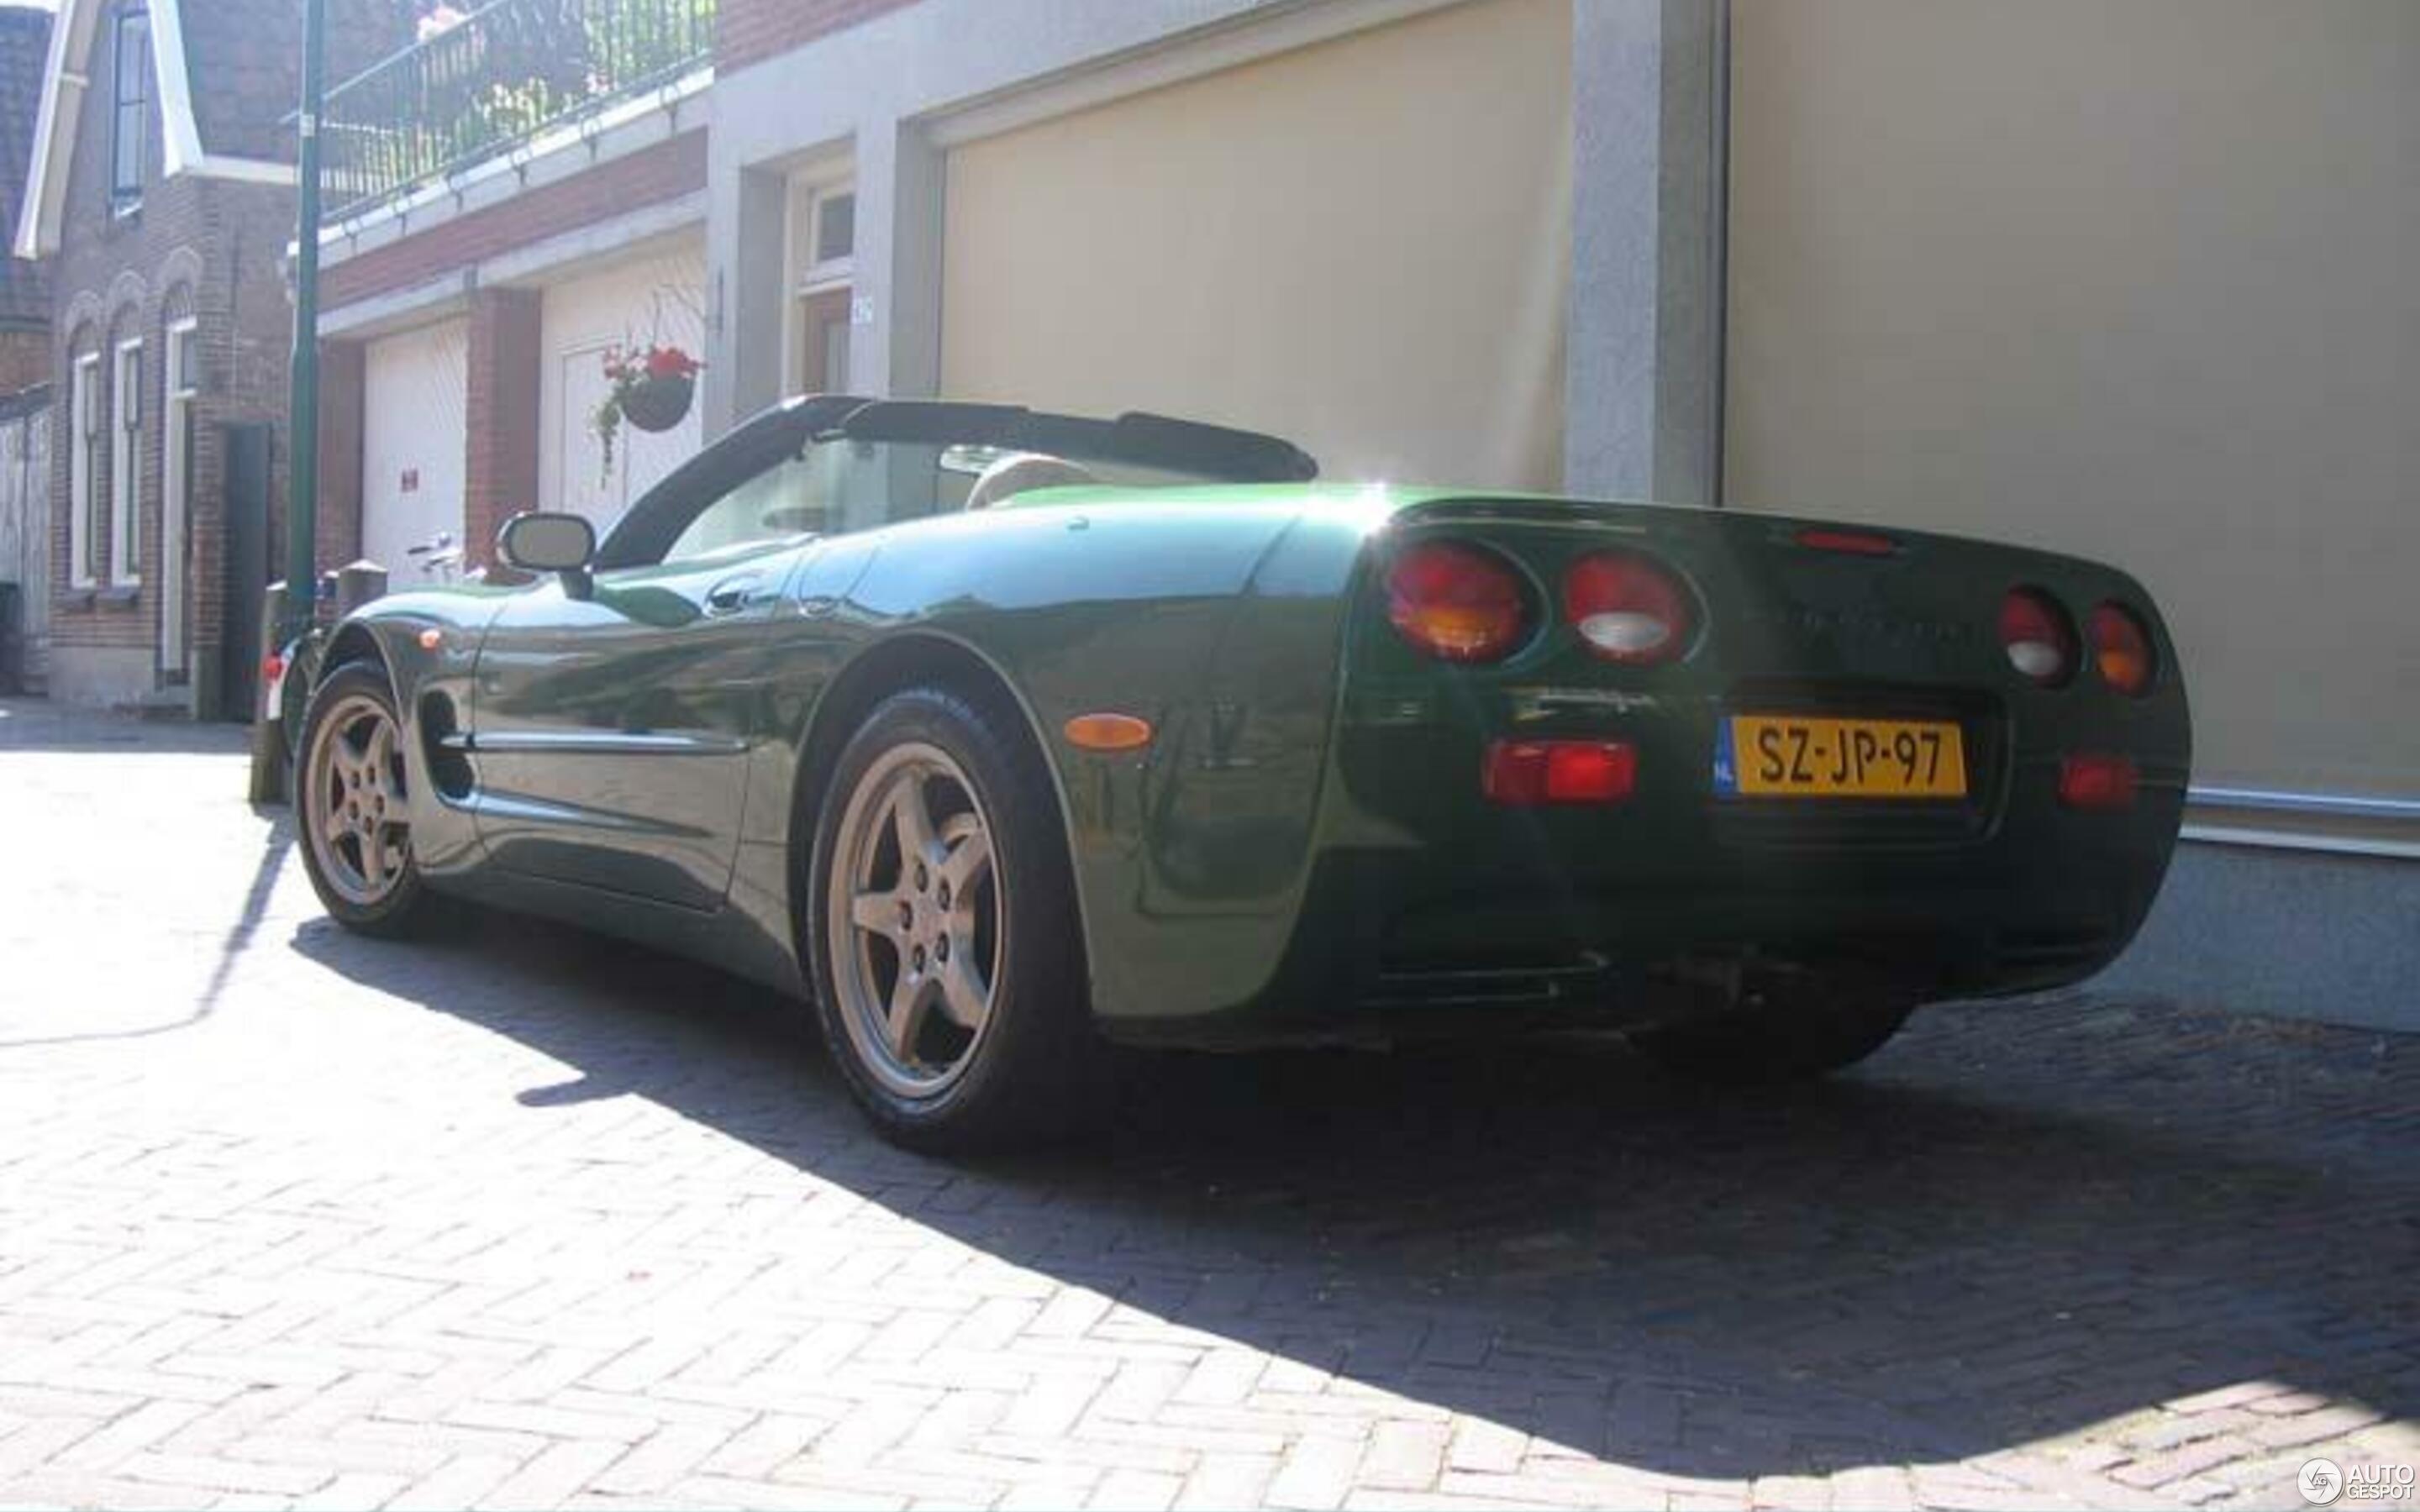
pixel 2070 1251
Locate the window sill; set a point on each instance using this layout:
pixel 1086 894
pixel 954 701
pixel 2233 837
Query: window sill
pixel 118 596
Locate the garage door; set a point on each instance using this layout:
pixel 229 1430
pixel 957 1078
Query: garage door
pixel 2132 281
pixel 412 409
pixel 1361 245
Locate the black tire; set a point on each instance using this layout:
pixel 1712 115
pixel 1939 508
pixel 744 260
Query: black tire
pixel 1778 1043
pixel 1035 1068
pixel 402 904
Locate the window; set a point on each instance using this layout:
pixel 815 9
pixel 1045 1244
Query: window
pixel 125 466
pixel 84 434
pixel 822 261
pixel 131 121
pixel 835 227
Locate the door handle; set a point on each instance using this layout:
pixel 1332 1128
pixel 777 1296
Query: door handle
pixel 732 594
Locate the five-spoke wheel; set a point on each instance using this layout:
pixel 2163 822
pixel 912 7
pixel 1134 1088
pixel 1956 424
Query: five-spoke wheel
pixel 354 793
pixel 915 915
pixel 942 935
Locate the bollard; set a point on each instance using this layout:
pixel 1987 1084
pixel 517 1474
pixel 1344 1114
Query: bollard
pixel 357 583
pixel 268 752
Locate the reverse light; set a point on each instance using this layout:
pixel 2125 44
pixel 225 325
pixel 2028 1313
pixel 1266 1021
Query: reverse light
pixel 1457 602
pixel 2038 636
pixel 1629 608
pixel 1527 772
pixel 2098 782
pixel 2121 648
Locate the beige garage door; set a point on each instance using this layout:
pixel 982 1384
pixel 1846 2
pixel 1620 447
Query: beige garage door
pixel 1361 245
pixel 2135 281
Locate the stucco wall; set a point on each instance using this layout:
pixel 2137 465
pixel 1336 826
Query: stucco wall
pixel 2133 281
pixel 1363 245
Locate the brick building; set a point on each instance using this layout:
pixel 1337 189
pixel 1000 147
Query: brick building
pixel 161 190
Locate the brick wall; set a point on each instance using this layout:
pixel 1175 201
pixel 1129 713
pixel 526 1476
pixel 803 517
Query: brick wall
pixel 750 31
pixel 207 249
pixel 25 359
pixel 506 367
pixel 667 170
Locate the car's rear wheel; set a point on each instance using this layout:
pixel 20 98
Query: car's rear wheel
pixel 354 806
pixel 947 958
pixel 1782 1040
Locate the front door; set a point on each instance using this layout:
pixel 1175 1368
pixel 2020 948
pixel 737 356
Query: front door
pixel 611 727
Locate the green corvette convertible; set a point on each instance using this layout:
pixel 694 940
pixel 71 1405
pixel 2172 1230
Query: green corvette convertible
pixel 1002 736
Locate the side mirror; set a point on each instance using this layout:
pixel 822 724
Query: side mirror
pixel 540 541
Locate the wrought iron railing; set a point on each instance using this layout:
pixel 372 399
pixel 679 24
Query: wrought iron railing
pixel 494 77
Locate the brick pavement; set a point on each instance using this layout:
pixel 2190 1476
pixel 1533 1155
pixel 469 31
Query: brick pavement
pixel 520 1218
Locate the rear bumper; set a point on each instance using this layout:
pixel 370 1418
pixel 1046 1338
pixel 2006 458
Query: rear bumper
pixel 1432 910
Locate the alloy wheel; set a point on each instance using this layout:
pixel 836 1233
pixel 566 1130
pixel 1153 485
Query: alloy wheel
pixel 913 918
pixel 356 812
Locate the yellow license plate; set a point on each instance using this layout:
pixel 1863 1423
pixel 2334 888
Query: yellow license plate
pixel 1786 756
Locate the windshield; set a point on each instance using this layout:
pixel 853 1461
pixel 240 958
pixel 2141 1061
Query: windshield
pixel 841 485
pixel 831 465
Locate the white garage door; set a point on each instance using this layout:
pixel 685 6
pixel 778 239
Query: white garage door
pixel 653 299
pixel 413 392
pixel 1361 245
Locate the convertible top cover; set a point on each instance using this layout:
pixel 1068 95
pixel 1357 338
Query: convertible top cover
pixel 1134 438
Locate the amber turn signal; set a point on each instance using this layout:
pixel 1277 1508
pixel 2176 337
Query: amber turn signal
pixel 2121 648
pixel 1108 733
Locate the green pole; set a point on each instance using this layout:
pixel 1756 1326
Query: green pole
pixel 302 452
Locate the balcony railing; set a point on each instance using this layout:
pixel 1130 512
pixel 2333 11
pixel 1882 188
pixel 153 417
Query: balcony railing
pixel 498 76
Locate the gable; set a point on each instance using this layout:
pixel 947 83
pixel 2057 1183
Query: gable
pixel 69 84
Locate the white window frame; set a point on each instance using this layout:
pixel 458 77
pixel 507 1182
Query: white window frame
pixel 175 521
pixel 125 465
pixel 82 434
pixel 804 271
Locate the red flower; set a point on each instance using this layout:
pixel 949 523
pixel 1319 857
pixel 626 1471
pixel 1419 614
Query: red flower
pixel 671 363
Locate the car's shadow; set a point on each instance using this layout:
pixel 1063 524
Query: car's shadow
pixel 2017 1222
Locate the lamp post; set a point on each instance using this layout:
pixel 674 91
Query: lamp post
pixel 303 478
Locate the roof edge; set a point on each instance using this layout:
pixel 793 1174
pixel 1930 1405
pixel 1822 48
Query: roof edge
pixel 53 160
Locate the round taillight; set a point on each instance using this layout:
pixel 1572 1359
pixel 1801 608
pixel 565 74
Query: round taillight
pixel 1456 602
pixel 2038 636
pixel 1629 608
pixel 2121 648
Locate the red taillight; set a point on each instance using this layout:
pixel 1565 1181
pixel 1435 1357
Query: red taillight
pixel 1855 542
pixel 1457 602
pixel 2121 648
pixel 2038 636
pixel 1629 608
pixel 1560 771
pixel 2096 781
pixel 273 667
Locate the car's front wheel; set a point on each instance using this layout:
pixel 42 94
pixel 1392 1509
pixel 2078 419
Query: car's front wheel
pixel 1782 1040
pixel 946 957
pixel 353 802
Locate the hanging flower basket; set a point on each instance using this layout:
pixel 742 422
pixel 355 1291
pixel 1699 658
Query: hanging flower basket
pixel 651 387
pixel 659 404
